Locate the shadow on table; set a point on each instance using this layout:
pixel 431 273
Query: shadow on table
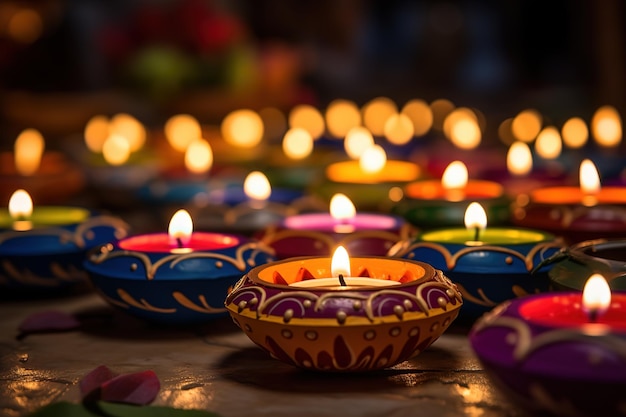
pixel 253 366
pixel 111 323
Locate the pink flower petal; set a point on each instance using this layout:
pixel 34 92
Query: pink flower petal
pixel 139 388
pixel 48 321
pixel 94 379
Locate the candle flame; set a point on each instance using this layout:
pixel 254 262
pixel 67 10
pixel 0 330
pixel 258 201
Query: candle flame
pixel 180 228
pixel 257 186
pixel 130 128
pixel 198 156
pixel 341 207
pixel 589 178
pixel 519 160
pixel 475 216
pixel 308 118
pixel 297 143
pixel 596 295
pixel 340 262
pixel 575 133
pixel 526 125
pixel 181 130
pixel 116 150
pixel 455 176
pixel 341 116
pixel 606 126
pixel 20 205
pixel 28 148
pixel 357 140
pixel 243 128
pixel 548 144
pixel 399 129
pixel 373 159
pixel 376 112
pixel 96 133
pixel 461 127
pixel 420 114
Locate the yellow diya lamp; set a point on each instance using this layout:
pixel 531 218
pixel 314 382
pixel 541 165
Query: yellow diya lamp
pixel 344 314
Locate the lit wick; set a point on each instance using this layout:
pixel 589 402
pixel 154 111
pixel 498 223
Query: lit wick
pixel 596 297
pixel 476 233
pixel 179 242
pixel 342 281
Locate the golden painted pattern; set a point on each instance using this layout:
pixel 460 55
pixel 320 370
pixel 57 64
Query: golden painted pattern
pixel 59 275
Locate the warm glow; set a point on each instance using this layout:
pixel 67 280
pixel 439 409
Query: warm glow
pixel 341 116
pixel 297 143
pixel 519 160
pixel 526 125
pixel 596 295
pixel 549 144
pixel 456 116
pixel 116 150
pixel 199 157
pixel 181 130
pixel 28 148
pixel 257 186
pixel 575 133
pixel 373 159
pixel 96 133
pixel 25 26
pixel 455 176
pixel 606 126
pixel 440 108
pixel 399 129
pixel 589 178
pixel 505 132
pixel 475 217
pixel 357 140
pixel 420 114
pixel 308 118
pixel 341 207
pixel 340 262
pixel 20 205
pixel 180 228
pixel 127 126
pixel 466 134
pixel 242 128
pixel 376 112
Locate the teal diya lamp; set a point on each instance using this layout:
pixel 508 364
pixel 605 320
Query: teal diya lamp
pixel 489 265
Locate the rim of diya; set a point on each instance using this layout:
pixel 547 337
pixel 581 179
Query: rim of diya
pixel 344 329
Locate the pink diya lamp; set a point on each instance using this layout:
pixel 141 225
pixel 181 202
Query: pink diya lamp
pixel 317 234
pixel 343 314
pixel 576 213
pixel 48 175
pixel 441 203
pixel 178 277
pixel 562 353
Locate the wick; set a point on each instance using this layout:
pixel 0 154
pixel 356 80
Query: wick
pixel 476 233
pixel 179 242
pixel 342 281
pixel 593 315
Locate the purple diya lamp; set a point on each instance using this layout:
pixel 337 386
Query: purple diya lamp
pixel 42 248
pixel 179 277
pixel 563 353
pixel 489 265
pixel 312 313
pixel 317 234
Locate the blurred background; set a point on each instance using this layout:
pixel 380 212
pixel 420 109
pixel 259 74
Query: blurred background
pixel 62 61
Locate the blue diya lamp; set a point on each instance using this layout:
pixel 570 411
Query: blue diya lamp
pixel 163 279
pixel 44 250
pixel 499 264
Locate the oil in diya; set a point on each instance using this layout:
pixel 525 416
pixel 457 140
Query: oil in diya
pixel 178 277
pixel 562 353
pixel 343 314
pixel 576 213
pixel 488 264
pixel 42 247
pixel 317 234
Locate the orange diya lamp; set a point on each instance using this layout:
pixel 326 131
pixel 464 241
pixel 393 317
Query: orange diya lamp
pixel 48 175
pixel 586 212
pixel 441 203
pixel 344 314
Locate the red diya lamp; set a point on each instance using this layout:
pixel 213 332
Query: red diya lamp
pixel 343 314
pixel 42 247
pixel 177 277
pixel 432 203
pixel 48 175
pixel 317 234
pixel 562 353
pixel 576 213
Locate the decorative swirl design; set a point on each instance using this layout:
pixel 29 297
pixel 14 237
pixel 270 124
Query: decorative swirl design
pixel 57 275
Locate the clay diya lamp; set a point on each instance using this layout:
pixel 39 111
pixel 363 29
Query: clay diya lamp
pixel 314 315
pixel 179 277
pixel 559 353
pixel 488 264
pixel 42 248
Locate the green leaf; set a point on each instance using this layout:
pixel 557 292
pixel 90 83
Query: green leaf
pixel 67 409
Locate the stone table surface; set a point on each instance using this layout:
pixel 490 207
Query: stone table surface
pixel 216 367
